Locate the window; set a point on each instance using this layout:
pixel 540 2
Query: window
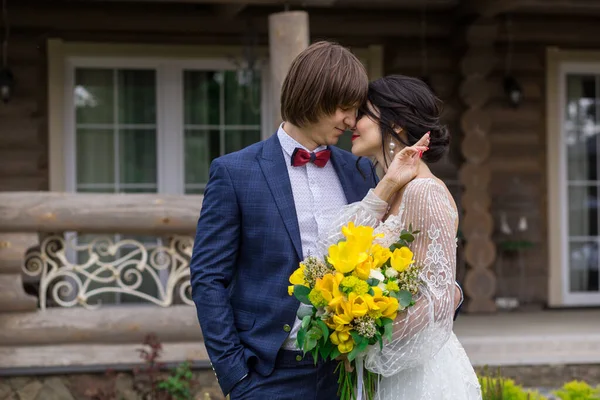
pixel 155 126
pixel 152 126
pixel 574 180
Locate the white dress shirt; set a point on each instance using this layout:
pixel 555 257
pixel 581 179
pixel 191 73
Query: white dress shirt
pixel 317 192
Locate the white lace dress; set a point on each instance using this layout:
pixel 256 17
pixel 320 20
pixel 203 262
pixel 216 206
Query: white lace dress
pixel 425 360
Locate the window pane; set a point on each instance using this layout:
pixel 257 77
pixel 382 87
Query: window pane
pixel 584 267
pixel 237 140
pixel 94 96
pixel 202 97
pixel 137 156
pixel 583 211
pixel 242 98
pixel 95 156
pixel 581 127
pixel 201 147
pixel 137 97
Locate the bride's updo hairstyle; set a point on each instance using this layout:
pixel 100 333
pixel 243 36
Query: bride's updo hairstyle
pixel 408 103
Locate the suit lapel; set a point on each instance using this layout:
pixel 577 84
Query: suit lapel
pixel 274 169
pixel 341 168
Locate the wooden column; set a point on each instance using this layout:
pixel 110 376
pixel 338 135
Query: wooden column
pixel 477 224
pixel 288 36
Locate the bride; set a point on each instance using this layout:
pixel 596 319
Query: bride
pixel 425 360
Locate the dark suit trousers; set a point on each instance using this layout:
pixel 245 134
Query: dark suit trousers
pixel 290 380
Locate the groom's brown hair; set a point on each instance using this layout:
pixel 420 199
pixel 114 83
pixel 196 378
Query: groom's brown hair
pixel 322 78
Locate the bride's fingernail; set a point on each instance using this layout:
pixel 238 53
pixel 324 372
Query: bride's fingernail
pixel 420 154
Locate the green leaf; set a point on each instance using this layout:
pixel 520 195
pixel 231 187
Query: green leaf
pixel 385 321
pixel 300 337
pixel 395 295
pixel 404 298
pixel 303 311
pixel 373 281
pixel 334 353
pixel 301 293
pixel 310 344
pixel 389 330
pixel 357 338
pixel 306 321
pixel 363 346
pixel 352 355
pixel 371 292
pixel 325 350
pixel 408 237
pixel 324 329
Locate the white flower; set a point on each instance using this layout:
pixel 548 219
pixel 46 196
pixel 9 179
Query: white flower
pixel 391 273
pixel 376 274
pixel 382 287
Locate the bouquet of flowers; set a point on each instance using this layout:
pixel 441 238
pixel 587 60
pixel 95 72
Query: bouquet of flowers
pixel 351 298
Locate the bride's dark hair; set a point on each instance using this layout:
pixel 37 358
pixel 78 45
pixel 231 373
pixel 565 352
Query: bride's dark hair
pixel 408 103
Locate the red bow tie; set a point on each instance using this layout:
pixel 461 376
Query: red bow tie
pixel 301 157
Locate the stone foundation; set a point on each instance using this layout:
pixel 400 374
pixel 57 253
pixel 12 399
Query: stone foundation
pixel 549 376
pixel 82 387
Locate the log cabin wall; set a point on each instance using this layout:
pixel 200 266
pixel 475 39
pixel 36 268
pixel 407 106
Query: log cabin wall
pixel 519 138
pixel 23 122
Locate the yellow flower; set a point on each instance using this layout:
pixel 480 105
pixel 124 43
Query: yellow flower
pixel 345 256
pixel 392 286
pixel 360 236
pixel 329 286
pixel 401 259
pixel 363 270
pixel 380 255
pixel 387 305
pixel 316 298
pixel 346 347
pixel 346 311
pixel 343 341
pixel 297 278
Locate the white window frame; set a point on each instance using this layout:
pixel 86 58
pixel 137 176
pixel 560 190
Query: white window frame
pixel 561 63
pixel 169 120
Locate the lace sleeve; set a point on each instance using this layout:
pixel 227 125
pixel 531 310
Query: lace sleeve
pixel 421 331
pixel 369 211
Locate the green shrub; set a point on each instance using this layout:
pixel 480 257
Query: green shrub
pixel 577 390
pixel 499 388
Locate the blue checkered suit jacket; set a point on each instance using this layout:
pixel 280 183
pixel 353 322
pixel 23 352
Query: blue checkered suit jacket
pixel 247 245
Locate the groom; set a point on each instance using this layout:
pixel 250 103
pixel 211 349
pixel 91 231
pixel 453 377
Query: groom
pixel 262 213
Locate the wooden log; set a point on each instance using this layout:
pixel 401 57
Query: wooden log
pixel 500 136
pixel 475 119
pixel 72 356
pixel 288 37
pixel 482 33
pixel 480 252
pixel 123 324
pixel 16 162
pixel 12 250
pixel 476 148
pixel 480 62
pixel 183 20
pixel 12 296
pixel 472 175
pixel 477 223
pixel 23 184
pixel 99 213
pixel 476 198
pixel 480 283
pixel 475 91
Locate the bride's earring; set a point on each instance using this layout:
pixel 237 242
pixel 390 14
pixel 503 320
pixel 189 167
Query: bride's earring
pixel 392 147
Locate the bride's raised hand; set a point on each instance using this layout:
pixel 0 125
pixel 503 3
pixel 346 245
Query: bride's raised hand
pixel 403 169
pixel 405 165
